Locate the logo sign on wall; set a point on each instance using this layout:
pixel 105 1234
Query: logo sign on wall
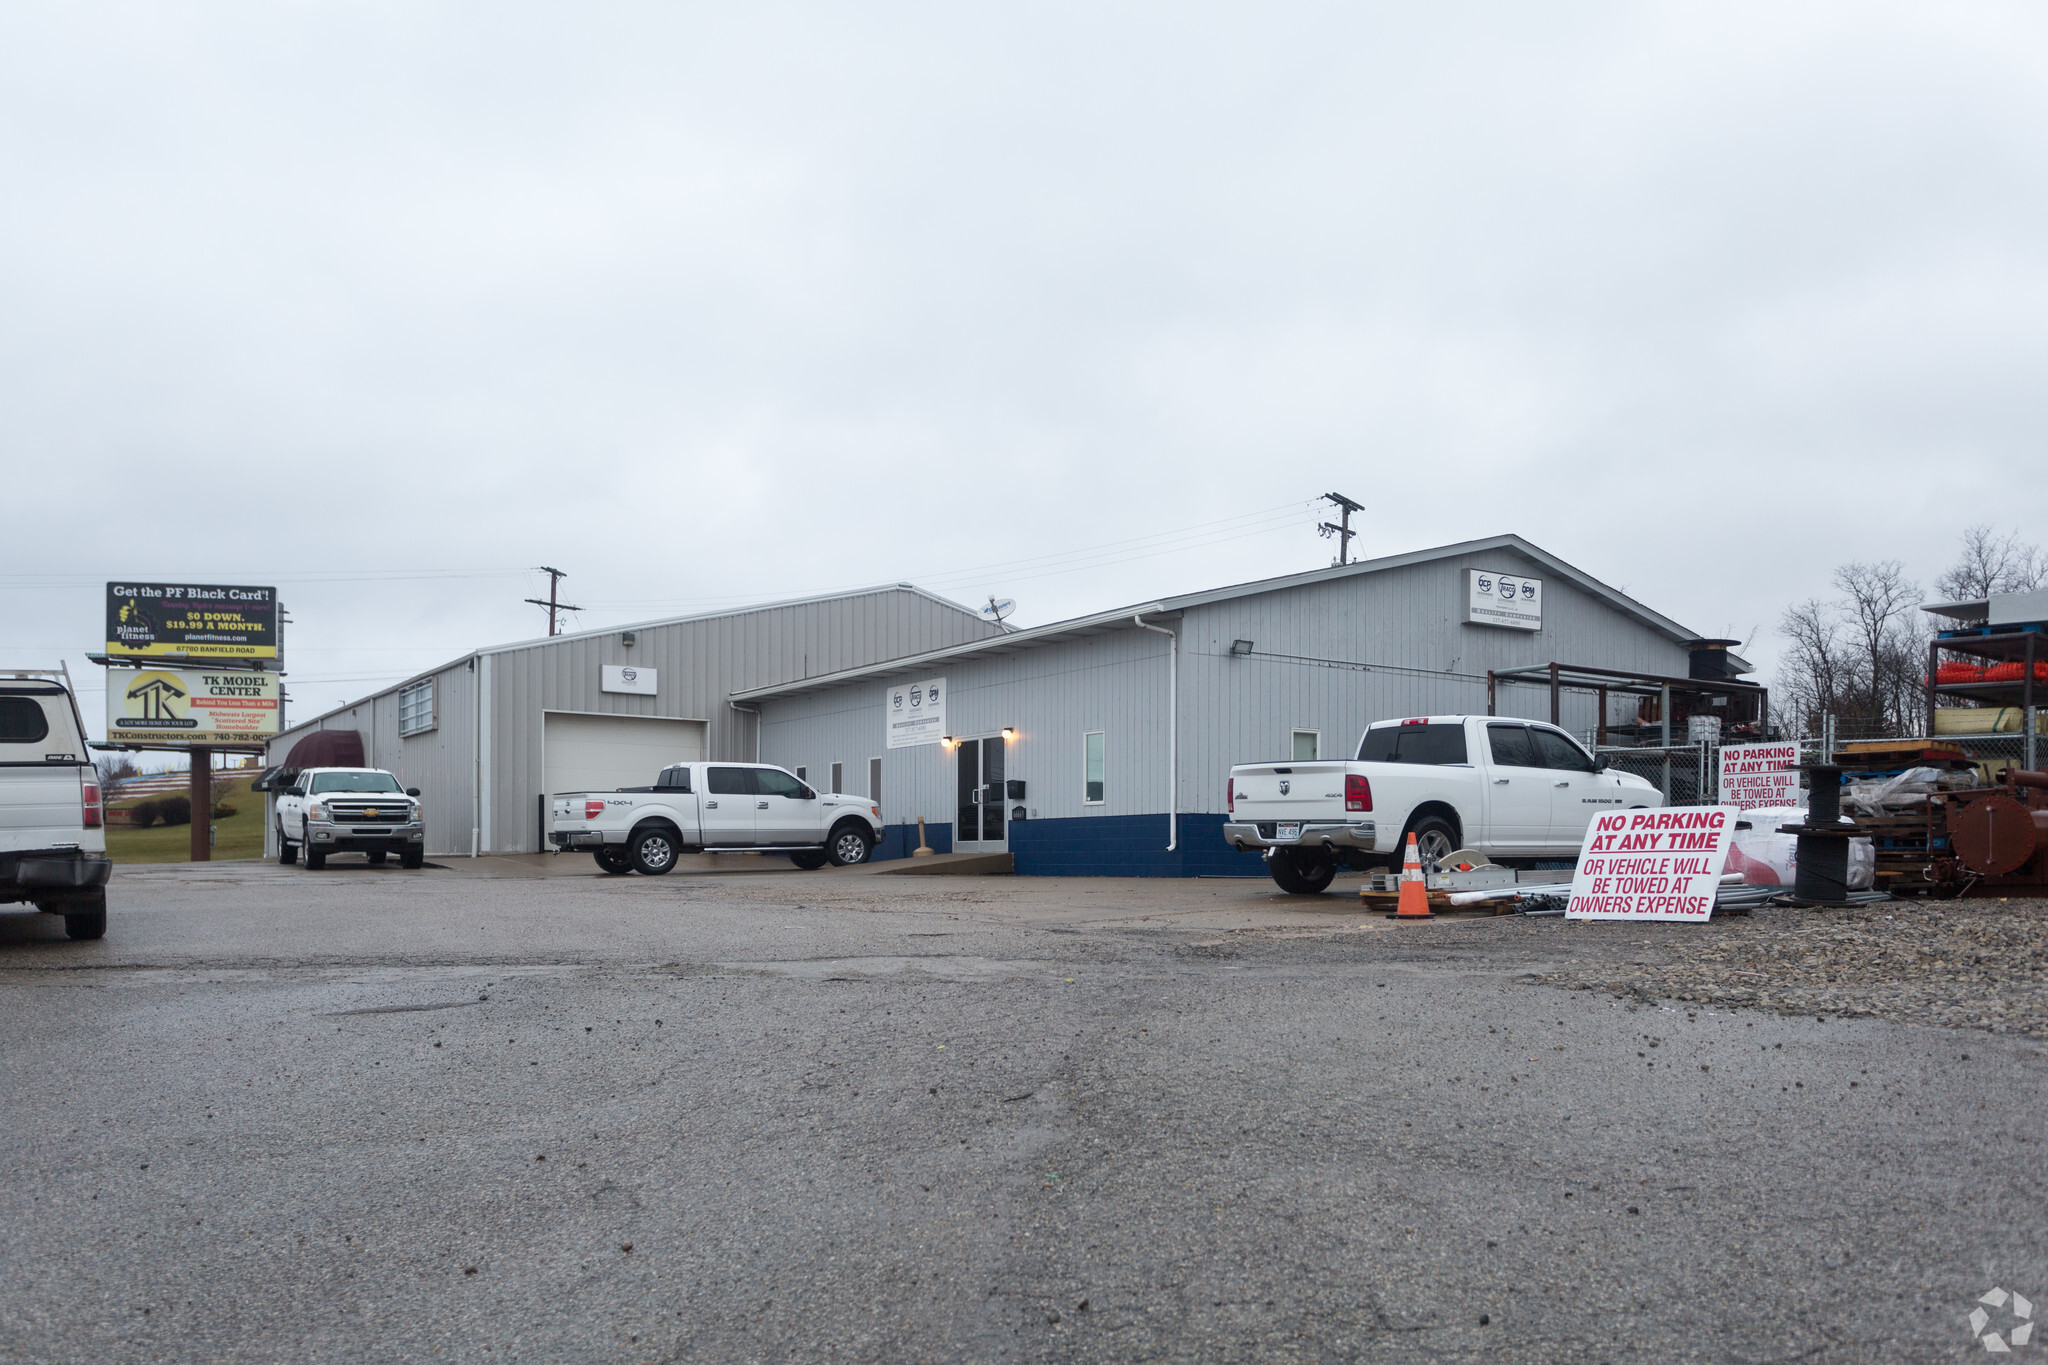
pixel 1652 864
pixel 915 713
pixel 190 706
pixel 1758 775
pixel 1503 599
pixel 191 621
pixel 626 678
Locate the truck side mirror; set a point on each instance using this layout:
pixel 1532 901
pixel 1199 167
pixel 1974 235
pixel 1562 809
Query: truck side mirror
pixel 807 795
pixel 412 791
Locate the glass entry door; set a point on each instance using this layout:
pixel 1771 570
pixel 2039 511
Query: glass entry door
pixel 978 824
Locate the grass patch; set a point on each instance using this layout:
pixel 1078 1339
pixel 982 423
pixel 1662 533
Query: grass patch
pixel 238 836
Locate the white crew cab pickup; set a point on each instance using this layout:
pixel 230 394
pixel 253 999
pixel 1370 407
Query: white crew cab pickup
pixel 1513 790
pixel 716 808
pixel 53 841
pixel 348 810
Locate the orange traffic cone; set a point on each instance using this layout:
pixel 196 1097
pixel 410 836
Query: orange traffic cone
pixel 1414 902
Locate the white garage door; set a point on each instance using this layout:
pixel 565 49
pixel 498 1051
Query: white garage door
pixel 604 753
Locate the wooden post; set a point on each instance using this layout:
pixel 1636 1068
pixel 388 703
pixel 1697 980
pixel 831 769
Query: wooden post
pixel 202 804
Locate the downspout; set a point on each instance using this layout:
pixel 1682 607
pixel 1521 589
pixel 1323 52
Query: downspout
pixel 1172 730
pixel 476 776
pixel 755 712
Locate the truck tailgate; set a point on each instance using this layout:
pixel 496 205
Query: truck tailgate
pixel 1289 791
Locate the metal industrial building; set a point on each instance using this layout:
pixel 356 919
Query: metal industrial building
pixel 1121 727
pixel 486 736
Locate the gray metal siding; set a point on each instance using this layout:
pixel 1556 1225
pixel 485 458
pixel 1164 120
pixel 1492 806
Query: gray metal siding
pixel 698 665
pixel 1329 656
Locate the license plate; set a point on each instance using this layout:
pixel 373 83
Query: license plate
pixel 1288 831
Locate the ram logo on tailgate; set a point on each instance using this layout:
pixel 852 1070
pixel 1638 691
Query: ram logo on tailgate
pixel 1285 785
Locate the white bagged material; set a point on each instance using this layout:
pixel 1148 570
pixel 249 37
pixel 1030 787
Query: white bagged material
pixel 1765 857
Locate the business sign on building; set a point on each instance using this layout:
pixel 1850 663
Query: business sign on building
pixel 1503 599
pixel 626 678
pixel 191 621
pixel 1652 864
pixel 915 713
pixel 191 706
pixel 1758 775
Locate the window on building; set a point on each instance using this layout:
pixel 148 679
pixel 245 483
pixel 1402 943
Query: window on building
pixel 1092 751
pixel 875 781
pixel 803 774
pixel 416 707
pixel 838 777
pixel 1307 745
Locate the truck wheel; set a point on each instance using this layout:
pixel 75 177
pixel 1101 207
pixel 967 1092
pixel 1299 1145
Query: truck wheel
pixel 287 851
pixel 1302 874
pixel 315 861
pixel 377 858
pixel 614 861
pixel 653 850
pixel 808 861
pixel 87 921
pixel 850 845
pixel 413 858
pixel 1435 840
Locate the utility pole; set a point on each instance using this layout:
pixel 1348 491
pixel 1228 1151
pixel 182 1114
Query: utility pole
pixel 1343 532
pixel 555 576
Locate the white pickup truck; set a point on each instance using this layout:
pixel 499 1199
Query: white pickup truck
pixel 348 810
pixel 716 808
pixel 53 839
pixel 1513 790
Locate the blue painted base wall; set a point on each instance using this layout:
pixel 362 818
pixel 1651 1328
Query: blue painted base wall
pixel 899 841
pixel 1126 846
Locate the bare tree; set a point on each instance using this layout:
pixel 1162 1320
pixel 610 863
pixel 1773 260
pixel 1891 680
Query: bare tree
pixel 1991 563
pixel 1880 603
pixel 1814 678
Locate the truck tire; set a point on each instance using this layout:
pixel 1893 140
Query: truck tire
pixel 652 849
pixel 413 858
pixel 614 861
pixel 1302 874
pixel 1435 839
pixel 315 861
pixel 377 858
pixel 849 845
pixel 86 920
pixel 287 851
pixel 808 860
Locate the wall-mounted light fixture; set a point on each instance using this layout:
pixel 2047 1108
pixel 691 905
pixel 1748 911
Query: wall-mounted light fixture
pixel 1240 647
pixel 946 740
pixel 1009 732
pixel 629 638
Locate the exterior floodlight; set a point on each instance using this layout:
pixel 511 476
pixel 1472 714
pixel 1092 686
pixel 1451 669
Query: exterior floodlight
pixel 946 740
pixel 1240 647
pixel 1009 732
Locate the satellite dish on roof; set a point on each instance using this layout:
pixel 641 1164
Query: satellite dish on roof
pixel 999 608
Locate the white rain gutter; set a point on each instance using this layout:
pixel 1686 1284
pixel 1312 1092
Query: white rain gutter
pixel 755 712
pixel 1172 730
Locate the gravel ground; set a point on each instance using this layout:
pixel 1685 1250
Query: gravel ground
pixel 1980 964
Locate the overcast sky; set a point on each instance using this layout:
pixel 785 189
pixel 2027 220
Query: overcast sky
pixel 1079 304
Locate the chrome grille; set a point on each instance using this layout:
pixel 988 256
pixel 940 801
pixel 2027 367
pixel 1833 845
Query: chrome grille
pixel 367 813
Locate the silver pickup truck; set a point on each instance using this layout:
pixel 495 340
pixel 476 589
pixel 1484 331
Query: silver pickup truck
pixel 715 808
pixel 53 839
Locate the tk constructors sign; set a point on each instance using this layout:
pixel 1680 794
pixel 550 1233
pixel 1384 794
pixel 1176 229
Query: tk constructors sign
pixel 191 621
pixel 190 706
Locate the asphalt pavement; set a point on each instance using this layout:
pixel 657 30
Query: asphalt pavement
pixel 510 1111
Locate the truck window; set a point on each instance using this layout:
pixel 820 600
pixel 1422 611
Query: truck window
pixel 1413 744
pixel 1510 747
pixel 1553 750
pixel 354 782
pixel 729 782
pixel 673 780
pixel 775 782
pixel 22 720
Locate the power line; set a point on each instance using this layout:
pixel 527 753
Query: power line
pixel 555 577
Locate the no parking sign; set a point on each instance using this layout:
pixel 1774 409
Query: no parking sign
pixel 1652 864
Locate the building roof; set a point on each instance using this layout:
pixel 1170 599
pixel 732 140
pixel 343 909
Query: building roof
pixel 568 636
pixel 1100 622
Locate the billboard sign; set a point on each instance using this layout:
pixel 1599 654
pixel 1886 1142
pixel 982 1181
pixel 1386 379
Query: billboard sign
pixel 190 706
pixel 191 621
pixel 1503 599
pixel 915 713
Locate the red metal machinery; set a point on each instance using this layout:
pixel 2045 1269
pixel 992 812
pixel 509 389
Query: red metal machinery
pixel 2000 835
